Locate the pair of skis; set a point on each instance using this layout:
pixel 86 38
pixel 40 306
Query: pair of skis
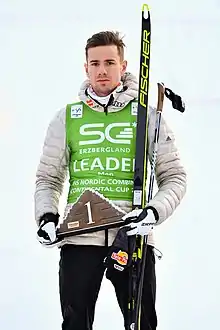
pixel 141 160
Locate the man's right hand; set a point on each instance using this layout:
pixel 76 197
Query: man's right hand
pixel 46 233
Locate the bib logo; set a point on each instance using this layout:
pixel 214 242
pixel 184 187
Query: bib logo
pixel 76 111
pixel 124 135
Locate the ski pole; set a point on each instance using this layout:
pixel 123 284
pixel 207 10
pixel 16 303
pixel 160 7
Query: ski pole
pixel 161 91
pixel 180 106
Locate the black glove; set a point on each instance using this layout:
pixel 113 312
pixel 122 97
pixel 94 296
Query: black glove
pixel 120 254
pixel 46 233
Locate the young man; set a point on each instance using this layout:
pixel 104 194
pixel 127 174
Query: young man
pixel 94 139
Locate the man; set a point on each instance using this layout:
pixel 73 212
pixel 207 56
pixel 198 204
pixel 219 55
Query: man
pixel 91 140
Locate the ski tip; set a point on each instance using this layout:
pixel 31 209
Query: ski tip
pixel 145 9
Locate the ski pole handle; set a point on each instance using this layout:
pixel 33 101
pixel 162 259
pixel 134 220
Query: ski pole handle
pixel 160 100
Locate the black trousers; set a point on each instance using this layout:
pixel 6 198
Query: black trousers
pixel 80 275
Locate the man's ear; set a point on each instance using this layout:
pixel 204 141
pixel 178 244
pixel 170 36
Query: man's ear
pixel 124 67
pixel 86 69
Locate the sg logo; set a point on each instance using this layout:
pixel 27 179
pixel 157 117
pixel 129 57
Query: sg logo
pixel 123 137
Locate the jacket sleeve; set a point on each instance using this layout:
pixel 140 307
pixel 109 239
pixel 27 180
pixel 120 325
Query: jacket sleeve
pixel 52 169
pixel 170 173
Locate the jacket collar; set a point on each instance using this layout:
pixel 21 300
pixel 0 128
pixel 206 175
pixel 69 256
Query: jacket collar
pixel 117 100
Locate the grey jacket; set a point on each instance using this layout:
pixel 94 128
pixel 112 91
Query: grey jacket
pixel 53 168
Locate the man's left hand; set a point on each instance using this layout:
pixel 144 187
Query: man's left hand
pixel 141 221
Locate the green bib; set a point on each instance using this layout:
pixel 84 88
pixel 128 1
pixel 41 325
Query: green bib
pixel 102 151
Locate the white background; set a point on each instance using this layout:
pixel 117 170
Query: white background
pixel 41 68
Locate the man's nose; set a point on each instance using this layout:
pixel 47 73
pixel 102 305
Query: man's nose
pixel 102 70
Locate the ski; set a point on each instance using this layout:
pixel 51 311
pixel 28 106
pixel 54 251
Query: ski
pixel 141 160
pixel 140 199
pixel 142 113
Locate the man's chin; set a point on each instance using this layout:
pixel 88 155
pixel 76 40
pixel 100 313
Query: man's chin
pixel 104 90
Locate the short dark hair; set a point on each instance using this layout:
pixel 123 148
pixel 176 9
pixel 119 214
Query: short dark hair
pixel 106 38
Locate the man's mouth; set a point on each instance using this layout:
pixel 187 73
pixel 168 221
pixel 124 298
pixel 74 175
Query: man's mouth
pixel 102 80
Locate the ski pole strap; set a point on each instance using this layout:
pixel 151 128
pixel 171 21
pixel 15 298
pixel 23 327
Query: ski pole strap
pixel 176 100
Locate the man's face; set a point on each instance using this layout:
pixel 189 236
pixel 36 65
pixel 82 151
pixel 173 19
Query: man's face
pixel 104 68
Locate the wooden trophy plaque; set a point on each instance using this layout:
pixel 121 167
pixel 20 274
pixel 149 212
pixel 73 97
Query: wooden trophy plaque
pixel 92 212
